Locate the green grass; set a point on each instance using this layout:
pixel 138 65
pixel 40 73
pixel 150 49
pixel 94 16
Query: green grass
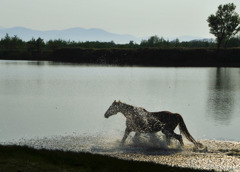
pixel 19 158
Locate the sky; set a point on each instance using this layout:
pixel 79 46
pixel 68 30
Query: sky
pixel 140 18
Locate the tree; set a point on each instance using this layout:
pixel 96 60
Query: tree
pixel 225 23
pixel 34 44
pixel 175 42
pixel 11 42
pixel 155 41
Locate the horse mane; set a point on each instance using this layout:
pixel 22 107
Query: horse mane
pixel 140 108
pixel 124 103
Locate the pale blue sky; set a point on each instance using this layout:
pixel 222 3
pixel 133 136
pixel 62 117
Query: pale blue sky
pixel 168 18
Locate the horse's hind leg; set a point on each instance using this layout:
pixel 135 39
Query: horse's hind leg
pixel 179 138
pixel 127 132
pixel 174 135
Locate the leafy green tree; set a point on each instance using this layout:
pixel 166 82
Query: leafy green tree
pixel 155 41
pixel 175 42
pixel 11 42
pixel 34 44
pixel 234 42
pixel 225 23
pixel 5 42
pixel 54 44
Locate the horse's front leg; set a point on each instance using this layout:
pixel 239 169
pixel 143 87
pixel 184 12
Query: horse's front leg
pixel 136 137
pixel 127 132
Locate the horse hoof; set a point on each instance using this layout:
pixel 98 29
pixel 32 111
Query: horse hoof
pixel 200 148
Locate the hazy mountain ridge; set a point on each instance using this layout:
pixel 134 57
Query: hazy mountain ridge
pixel 72 34
pixel 77 34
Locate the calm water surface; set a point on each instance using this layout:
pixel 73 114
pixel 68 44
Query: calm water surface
pixel 39 99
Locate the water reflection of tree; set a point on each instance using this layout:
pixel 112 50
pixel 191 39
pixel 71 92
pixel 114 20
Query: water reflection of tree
pixel 221 95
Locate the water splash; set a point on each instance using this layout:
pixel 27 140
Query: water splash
pixel 102 144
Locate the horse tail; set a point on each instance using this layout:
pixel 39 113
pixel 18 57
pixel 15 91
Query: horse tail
pixel 184 130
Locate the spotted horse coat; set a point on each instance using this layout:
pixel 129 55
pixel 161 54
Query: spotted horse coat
pixel 139 120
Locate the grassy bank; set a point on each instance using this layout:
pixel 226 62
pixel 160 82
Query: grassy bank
pixel 175 57
pixel 18 158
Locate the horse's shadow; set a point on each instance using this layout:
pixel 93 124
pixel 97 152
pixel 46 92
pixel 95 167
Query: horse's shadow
pixel 146 144
pixel 150 144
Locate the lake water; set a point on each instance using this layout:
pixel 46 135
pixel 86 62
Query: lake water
pixel 41 99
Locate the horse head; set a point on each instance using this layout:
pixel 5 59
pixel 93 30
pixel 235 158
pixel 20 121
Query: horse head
pixel 113 109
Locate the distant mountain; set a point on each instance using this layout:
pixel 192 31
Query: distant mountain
pixel 79 34
pixel 189 38
pixel 72 34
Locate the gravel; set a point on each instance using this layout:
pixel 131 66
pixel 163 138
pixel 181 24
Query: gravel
pixel 215 155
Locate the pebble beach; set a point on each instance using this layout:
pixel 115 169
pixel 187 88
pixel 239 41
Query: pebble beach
pixel 216 155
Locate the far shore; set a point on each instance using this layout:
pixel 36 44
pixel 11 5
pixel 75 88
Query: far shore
pixel 150 57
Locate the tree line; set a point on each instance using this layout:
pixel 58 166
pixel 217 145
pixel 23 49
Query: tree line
pixel 224 25
pixel 15 43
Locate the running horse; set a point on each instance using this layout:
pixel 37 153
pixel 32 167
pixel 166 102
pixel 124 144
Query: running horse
pixel 140 120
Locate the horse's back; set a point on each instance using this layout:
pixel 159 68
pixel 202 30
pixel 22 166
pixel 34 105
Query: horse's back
pixel 165 114
pixel 166 117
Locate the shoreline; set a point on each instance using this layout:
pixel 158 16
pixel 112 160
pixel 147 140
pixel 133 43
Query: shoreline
pixel 23 158
pixel 77 152
pixel 145 57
